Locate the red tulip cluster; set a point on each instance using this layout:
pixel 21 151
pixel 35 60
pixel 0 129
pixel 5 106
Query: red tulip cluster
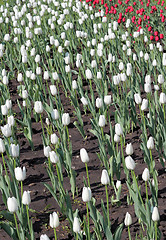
pixel 142 14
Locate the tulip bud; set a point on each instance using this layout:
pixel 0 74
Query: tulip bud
pixel 44 237
pixel 99 75
pixel 84 155
pixel 146 175
pixel 99 102
pixel 147 88
pixel 74 85
pixel 162 98
pixel 6 130
pixel 118 184
pixel 24 94
pixel 46 151
pixel 118 129
pixel 26 198
pixel 54 220
pixel 104 177
pixel 86 194
pixel 55 114
pixel 53 157
pixel 2 146
pixel 160 79
pixel 38 107
pixel 20 174
pixel 8 104
pixel 76 225
pixel 128 219
pixel 88 74
pixel 11 121
pixel 12 204
pixel 65 119
pixel 129 149
pixel 14 150
pixel 155 215
pixel 116 138
pixel 102 121
pixel 4 110
pixel 53 90
pixel 107 99
pixel 84 101
pixel 130 164
pixel 19 77
pixel 137 98
pixel 150 143
pixel 144 105
pixel 54 139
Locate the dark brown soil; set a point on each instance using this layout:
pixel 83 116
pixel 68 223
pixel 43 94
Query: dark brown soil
pixel 43 202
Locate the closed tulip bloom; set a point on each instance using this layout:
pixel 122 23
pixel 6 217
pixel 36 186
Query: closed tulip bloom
pixel 130 164
pixel 129 149
pixel 20 174
pixel 11 120
pixel 55 114
pixel 4 110
pixel 86 194
pixel 155 215
pixel 146 56
pixel 137 98
pixel 14 150
pixel 12 204
pixel 99 75
pixel 144 104
pixel 147 88
pixel 146 175
pixel 38 107
pixel 84 155
pixel 65 119
pixel 107 99
pixel 102 121
pixel 74 85
pixel 76 225
pixel 84 101
pixel 104 177
pixel 47 150
pixel 116 138
pixel 99 102
pixel 44 237
pixel 54 139
pixel 19 77
pixel 24 94
pixel 6 130
pixel 2 146
pixel 128 219
pixel 162 98
pixel 26 198
pixel 46 75
pixel 150 143
pixel 118 184
pixel 118 129
pixel 54 220
pixel 8 104
pixel 88 74
pixel 53 90
pixel 53 157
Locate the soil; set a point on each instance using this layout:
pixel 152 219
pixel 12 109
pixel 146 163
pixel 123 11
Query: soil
pixel 42 201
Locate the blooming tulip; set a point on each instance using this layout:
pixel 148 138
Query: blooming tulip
pixel 12 204
pixel 20 174
pixel 130 164
pixel 76 225
pixel 54 220
pixel 65 119
pixel 26 199
pixel 86 194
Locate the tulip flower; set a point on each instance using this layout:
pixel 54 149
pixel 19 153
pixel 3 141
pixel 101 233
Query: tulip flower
pixel 55 114
pixel 53 90
pixel 107 99
pixel 65 119
pixel 54 139
pixel 54 222
pixel 6 130
pixel 44 237
pixel 85 159
pixel 128 222
pixel 86 197
pixel 155 219
pixel 38 107
pixel 129 149
pixel 146 177
pixel 26 199
pixel 105 180
pixel 14 150
pixel 76 225
pixel 2 146
pixel 130 164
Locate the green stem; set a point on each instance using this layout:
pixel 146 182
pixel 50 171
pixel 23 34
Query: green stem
pixel 155 230
pixel 59 178
pixel 87 174
pixel 5 166
pixel 16 226
pixel 108 215
pixel 55 234
pixel 146 187
pixel 164 112
pixel 67 130
pixel 102 133
pixel 134 177
pixel 42 124
pixel 28 218
pixel 76 236
pixel 88 220
pixel 151 160
pixel 129 233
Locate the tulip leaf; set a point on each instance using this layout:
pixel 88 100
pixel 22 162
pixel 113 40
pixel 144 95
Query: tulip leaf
pixel 9 230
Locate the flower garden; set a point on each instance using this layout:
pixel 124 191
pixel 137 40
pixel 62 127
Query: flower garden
pixel 82 119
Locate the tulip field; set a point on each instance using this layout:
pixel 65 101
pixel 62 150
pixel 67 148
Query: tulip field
pixel 82 119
